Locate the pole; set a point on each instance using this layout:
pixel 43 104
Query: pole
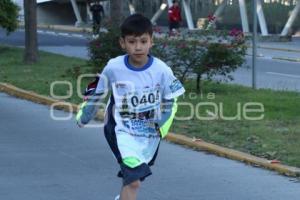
pixel 158 13
pixel 220 9
pixel 244 17
pixel 261 18
pixel 131 7
pixel 291 20
pixel 188 15
pixel 77 13
pixel 254 41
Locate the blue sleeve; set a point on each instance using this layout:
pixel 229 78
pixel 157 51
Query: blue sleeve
pixel 96 92
pixel 172 86
pixel 88 109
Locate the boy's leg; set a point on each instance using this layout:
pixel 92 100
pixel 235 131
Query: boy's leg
pixel 129 192
pixel 133 172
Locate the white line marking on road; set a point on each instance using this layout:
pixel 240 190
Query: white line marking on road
pixel 50 32
pixel 63 34
pixel 77 35
pixel 281 74
pixel 261 57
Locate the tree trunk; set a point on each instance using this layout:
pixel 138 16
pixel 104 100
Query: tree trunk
pixel 31 48
pixel 199 87
pixel 116 10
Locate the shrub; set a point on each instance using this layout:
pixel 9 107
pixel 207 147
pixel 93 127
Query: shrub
pixel 204 53
pixel 103 48
pixel 182 55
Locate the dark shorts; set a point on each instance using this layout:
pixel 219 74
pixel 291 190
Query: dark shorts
pixel 130 175
pixel 140 172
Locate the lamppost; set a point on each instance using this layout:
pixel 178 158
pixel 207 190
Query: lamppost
pixel 254 41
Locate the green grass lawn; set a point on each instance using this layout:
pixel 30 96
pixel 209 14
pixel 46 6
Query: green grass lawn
pixel 276 136
pixel 38 77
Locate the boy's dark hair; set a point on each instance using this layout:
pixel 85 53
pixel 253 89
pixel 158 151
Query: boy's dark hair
pixel 137 25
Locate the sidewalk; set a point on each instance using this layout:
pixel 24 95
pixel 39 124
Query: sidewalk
pixel 65 28
pixel 289 51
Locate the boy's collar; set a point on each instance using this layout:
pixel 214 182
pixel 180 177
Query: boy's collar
pixel 131 67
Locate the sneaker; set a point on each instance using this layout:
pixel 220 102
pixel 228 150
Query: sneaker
pixel 117 197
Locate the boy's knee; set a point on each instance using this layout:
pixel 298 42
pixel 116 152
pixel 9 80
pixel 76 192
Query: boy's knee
pixel 135 185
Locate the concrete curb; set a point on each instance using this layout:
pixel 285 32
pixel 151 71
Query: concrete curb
pixel 277 58
pixel 31 96
pixel 62 28
pixel 275 48
pixel 175 138
pixel 233 154
pixel 41 99
pixel 279 49
pixel 286 59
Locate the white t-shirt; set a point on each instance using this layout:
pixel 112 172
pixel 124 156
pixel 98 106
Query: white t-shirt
pixel 137 96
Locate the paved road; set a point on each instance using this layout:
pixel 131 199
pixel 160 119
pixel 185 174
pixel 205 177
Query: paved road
pixel 45 159
pixel 274 74
pixel 45 38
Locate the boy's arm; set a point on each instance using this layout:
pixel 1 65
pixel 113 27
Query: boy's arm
pixel 171 91
pixel 88 110
pixel 169 109
pixel 94 94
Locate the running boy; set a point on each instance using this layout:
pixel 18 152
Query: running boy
pixel 142 104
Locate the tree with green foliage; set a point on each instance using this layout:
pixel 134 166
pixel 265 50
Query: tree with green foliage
pixel 8 15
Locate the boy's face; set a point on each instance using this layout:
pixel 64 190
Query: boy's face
pixel 137 47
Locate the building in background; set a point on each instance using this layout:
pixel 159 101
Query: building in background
pixel 62 12
pixel 76 12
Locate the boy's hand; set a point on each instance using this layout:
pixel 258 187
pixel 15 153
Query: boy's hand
pixel 79 114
